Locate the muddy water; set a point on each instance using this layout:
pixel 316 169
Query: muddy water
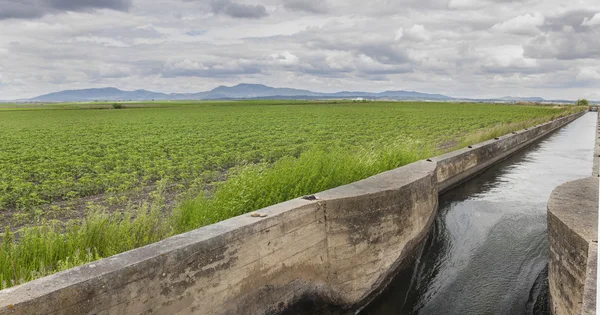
pixel 487 251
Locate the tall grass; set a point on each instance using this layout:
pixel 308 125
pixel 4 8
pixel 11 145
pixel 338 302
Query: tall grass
pixel 49 248
pixel 502 129
pixel 257 186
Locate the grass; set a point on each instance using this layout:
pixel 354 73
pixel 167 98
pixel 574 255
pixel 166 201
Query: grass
pixel 499 130
pixel 251 156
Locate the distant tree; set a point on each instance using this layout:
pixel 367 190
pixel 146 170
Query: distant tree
pixel 117 106
pixel 582 102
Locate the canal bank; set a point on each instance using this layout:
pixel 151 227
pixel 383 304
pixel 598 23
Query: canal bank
pixel 487 251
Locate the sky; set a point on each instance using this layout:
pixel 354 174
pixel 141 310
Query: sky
pixel 461 48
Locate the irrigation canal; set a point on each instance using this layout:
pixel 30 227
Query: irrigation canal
pixel 487 250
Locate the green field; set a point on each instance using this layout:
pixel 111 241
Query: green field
pixel 83 181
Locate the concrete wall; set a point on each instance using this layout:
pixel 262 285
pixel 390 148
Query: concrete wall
pixel 458 166
pixel 328 255
pixel 336 248
pixel 573 238
pixel 589 291
pixel 596 167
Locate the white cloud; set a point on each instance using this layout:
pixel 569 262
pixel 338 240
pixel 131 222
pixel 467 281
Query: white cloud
pixel 105 41
pixel 595 20
pixel 464 4
pixel 588 74
pixel 523 24
pixel 399 33
pixel 417 32
pixel 285 58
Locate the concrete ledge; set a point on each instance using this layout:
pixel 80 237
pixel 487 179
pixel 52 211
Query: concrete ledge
pixel 589 292
pixel 573 237
pixel 337 250
pixel 596 169
pixel 372 225
pixel 205 269
pixel 459 166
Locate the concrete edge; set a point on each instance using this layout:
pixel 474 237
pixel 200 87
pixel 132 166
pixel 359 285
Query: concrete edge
pixel 532 134
pixel 596 167
pixel 575 204
pixel 573 238
pixel 589 291
pixel 382 182
pixel 591 285
pixel 220 232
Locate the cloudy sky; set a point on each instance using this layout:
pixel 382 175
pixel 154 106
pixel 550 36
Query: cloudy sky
pixel 466 48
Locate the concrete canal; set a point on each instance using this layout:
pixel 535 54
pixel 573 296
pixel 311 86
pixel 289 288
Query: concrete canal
pixel 487 252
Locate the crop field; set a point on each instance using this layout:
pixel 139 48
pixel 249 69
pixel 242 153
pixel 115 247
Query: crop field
pixel 83 182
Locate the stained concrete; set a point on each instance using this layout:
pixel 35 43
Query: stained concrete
pixel 573 237
pixel 596 169
pixel 589 291
pixel 334 252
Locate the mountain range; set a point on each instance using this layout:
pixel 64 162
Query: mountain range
pixel 241 91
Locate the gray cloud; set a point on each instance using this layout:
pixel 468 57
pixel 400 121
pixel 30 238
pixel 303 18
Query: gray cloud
pixel 383 50
pixel 343 64
pixel 311 6
pixel 19 10
pixel 566 37
pixel 28 9
pixel 192 68
pixel 564 46
pixel 386 54
pixel 473 48
pixel 571 19
pixel 81 5
pixel 238 10
pixel 520 69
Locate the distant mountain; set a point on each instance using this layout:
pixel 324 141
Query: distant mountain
pixel 412 94
pixel 240 91
pixel 528 99
pixel 256 90
pixel 108 94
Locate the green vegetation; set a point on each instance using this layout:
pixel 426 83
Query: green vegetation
pixel 228 158
pixel 582 102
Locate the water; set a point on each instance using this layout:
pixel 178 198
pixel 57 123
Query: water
pixel 487 251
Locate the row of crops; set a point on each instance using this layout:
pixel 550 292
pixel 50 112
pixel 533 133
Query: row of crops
pixel 242 155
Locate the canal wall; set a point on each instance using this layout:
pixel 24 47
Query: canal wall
pixel 328 253
pixel 596 167
pixel 458 166
pixel 573 238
